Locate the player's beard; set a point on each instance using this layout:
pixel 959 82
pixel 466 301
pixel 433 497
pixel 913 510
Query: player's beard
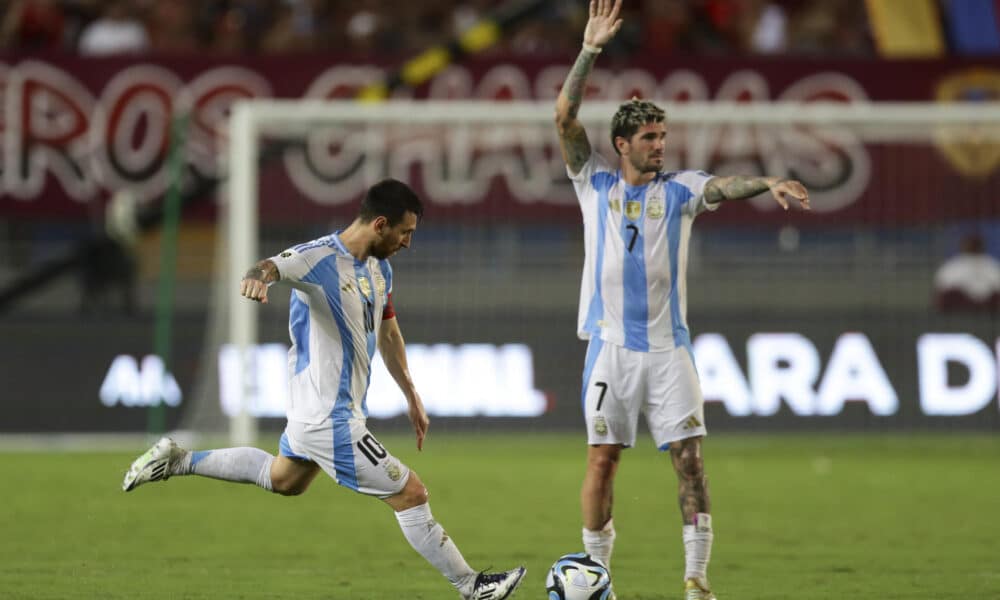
pixel 382 250
pixel 647 164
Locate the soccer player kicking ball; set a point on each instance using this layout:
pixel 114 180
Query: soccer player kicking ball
pixel 341 310
pixel 637 221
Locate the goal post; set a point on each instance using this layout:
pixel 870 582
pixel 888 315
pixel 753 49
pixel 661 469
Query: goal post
pixel 241 233
pixel 251 121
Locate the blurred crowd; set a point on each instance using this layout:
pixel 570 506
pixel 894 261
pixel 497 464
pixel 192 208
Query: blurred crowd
pixel 398 28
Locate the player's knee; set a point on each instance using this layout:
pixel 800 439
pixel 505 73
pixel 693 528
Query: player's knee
pixel 690 464
pixel 289 487
pixel 414 492
pixel 603 464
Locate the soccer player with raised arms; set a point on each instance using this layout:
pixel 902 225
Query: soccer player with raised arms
pixel 341 311
pixel 637 220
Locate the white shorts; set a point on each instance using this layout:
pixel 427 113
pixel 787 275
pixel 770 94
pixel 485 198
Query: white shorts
pixel 618 383
pixel 349 453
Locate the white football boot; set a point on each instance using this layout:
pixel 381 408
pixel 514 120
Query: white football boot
pixel 496 586
pixel 153 465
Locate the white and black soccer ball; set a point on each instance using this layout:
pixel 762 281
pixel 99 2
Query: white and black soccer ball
pixel 578 577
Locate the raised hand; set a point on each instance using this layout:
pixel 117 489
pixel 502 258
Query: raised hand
pixel 603 23
pixel 784 189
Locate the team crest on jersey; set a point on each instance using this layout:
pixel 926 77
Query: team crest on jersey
pixel 655 208
pixel 365 286
pixel 633 208
pixel 393 471
pixel 600 426
pixel 616 204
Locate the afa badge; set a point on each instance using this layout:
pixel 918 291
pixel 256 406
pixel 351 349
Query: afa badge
pixel 393 471
pixel 970 149
pixel 655 209
pixel 365 286
pixel 600 426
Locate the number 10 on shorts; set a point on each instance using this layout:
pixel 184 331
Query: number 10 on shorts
pixel 372 449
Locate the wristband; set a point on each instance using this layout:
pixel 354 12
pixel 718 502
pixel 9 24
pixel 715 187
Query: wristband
pixel 591 49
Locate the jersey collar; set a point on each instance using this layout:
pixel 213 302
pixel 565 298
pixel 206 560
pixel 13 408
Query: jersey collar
pixel 341 247
pixel 339 244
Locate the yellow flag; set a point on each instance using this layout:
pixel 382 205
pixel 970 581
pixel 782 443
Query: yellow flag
pixel 906 28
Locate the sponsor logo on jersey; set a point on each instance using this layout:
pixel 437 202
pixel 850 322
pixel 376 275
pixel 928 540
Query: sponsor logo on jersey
pixel 633 208
pixel 379 285
pixel 616 204
pixel 692 423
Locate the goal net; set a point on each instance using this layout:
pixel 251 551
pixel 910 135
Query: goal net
pixel 825 316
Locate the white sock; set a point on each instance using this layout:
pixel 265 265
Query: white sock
pixel 429 539
pixel 242 465
pixel 697 546
pixel 599 544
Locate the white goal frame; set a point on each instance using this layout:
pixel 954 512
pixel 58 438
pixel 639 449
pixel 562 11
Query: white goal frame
pixel 251 117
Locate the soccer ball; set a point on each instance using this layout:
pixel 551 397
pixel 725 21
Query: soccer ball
pixel 578 577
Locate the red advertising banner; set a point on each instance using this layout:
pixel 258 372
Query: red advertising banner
pixel 75 130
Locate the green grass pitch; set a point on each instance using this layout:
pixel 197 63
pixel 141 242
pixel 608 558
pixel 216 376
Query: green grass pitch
pixel 797 517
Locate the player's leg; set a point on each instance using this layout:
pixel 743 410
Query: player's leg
pixel 430 540
pixel 675 413
pixel 612 381
pixel 287 474
pixel 427 536
pixel 695 505
pixel 597 499
pixel 355 459
pixel 292 476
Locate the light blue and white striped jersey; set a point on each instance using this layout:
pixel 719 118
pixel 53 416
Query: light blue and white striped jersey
pixel 633 290
pixel 335 314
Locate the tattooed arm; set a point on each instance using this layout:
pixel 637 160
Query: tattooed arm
pixel 572 136
pixel 738 187
pixel 255 282
pixel 601 27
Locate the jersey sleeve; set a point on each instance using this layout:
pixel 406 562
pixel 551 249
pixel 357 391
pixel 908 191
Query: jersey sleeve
pixel 695 181
pixel 583 180
pixel 294 263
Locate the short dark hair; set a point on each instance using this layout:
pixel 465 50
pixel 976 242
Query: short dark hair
pixel 631 116
pixel 390 198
